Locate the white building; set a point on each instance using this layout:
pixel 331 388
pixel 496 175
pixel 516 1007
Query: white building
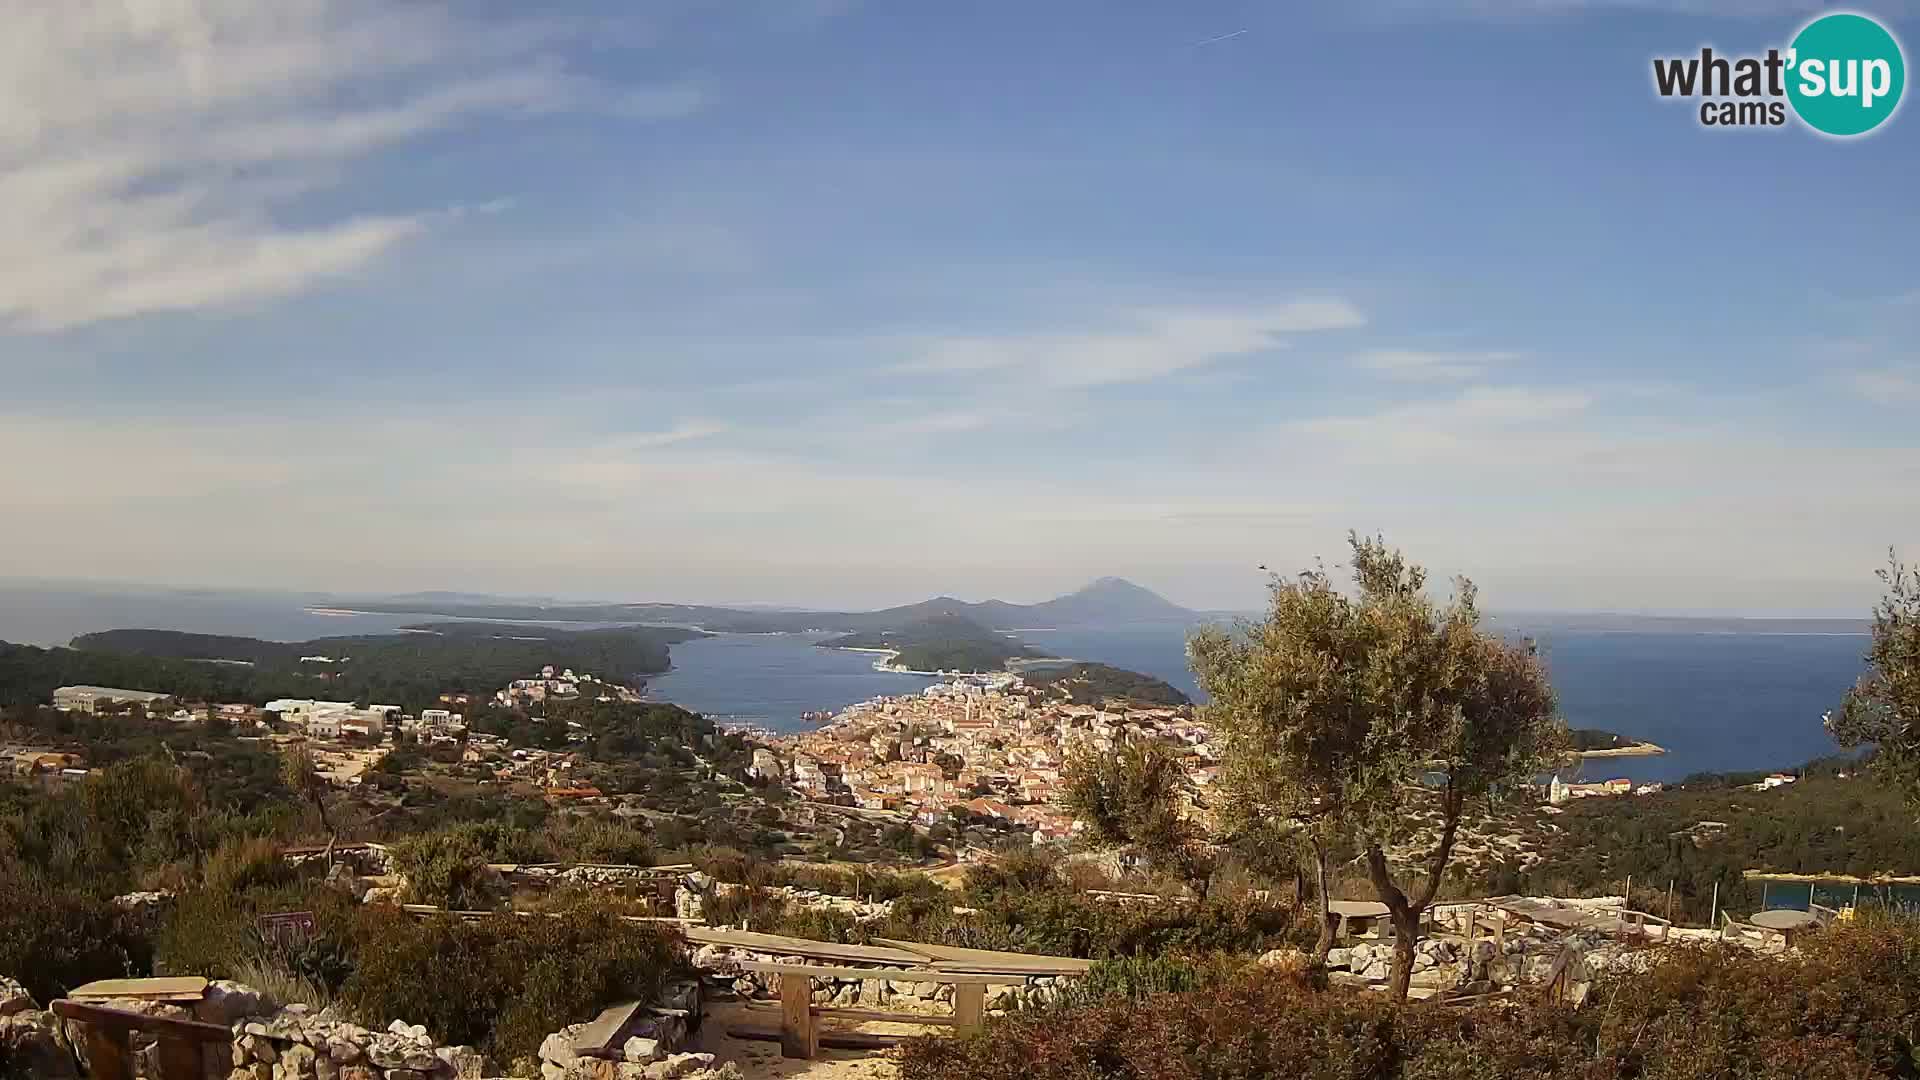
pixel 303 710
pixel 84 698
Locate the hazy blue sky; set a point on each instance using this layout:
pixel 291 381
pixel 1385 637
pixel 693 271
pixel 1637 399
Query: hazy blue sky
pixel 842 302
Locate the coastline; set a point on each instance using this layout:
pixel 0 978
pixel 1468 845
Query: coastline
pixel 886 664
pixel 1639 749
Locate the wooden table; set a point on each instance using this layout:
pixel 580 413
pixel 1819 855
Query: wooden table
pixel 799 1033
pixel 1786 922
pixel 1366 913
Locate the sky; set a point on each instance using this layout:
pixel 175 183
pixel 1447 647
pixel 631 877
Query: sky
pixel 850 303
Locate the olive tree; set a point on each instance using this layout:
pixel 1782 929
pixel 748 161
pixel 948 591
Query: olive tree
pixel 1287 714
pixel 1883 708
pixel 1133 798
pixel 1356 716
pixel 300 772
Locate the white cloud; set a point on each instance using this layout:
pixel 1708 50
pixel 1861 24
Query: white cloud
pixel 1148 345
pixel 152 151
pixel 1422 365
pixel 1497 419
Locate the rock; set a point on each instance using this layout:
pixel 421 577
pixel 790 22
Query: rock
pixel 926 991
pixel 14 998
pixel 252 1071
pixel 1285 961
pixel 262 1048
pixel 550 1071
pixel 393 1052
pixel 325 1067
pixel 640 1051
pixel 358 1072
pixel 466 1062
pixel 226 1003
pixel 1377 969
pixel 1339 958
pixel 1423 961
pixel 296 1063
pixel 344 1051
pixel 558 1048
pixel 30 1045
pixel 680 1065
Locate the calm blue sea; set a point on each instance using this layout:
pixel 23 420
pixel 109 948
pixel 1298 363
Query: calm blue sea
pixel 1719 700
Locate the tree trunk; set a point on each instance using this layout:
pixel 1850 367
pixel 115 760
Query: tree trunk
pixel 1406 931
pixel 319 803
pixel 1406 922
pixel 1327 923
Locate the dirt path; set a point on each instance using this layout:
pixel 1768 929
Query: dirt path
pixel 762 1060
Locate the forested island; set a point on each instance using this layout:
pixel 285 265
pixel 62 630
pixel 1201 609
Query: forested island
pixel 939 643
pixel 1098 684
pixel 410 669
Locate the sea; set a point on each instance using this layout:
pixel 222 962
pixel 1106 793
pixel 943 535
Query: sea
pixel 1719 695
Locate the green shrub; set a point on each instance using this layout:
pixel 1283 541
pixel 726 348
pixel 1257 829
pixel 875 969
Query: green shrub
pixel 1845 1007
pixel 54 938
pixel 241 864
pixel 448 869
pixel 506 982
pixel 601 842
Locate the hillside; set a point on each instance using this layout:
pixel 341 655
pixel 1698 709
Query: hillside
pixel 410 669
pixel 939 643
pixel 1108 601
pixel 1098 684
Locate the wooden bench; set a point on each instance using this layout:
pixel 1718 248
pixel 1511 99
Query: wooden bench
pixel 107 1036
pixel 799 1033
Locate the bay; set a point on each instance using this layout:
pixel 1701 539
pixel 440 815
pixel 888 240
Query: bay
pixel 1720 695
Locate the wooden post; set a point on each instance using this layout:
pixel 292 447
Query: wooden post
pixel 1714 914
pixel 1766 887
pixel 969 1006
pixel 1629 900
pixel 1669 899
pixel 108 1055
pixel 798 1036
pixel 180 1059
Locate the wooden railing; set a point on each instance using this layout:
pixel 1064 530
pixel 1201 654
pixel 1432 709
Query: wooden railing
pixel 107 1036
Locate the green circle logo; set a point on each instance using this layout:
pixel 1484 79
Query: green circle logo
pixel 1845 73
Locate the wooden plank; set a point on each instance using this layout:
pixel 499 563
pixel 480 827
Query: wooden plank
pixel 606 1031
pixel 969 1006
pixel 832 1040
pixel 108 1055
pixel 183 988
pixel 798 1036
pixel 892 974
pixel 877 1016
pixel 951 958
pixel 791 946
pixel 121 1020
pixel 881 1016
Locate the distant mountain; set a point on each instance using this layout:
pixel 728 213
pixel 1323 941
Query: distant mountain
pixel 1108 601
